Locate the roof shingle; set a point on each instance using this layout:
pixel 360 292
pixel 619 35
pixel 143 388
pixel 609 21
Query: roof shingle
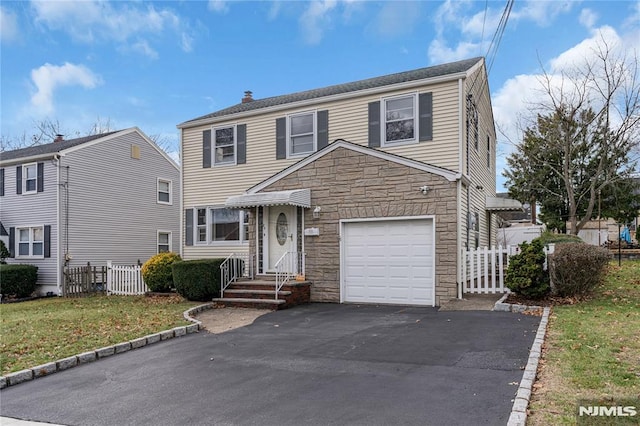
pixel 49 148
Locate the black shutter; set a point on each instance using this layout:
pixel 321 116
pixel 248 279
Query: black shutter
pixel 12 242
pixel 40 183
pixel 241 155
pixel 374 124
pixel 425 108
pixel 323 129
pixel 281 138
pixel 47 241
pixel 188 227
pixel 1 182
pixel 19 180
pixel 206 149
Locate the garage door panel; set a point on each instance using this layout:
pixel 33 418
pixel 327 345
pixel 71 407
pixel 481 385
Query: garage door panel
pixel 389 261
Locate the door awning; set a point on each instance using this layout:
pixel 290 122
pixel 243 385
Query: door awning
pixel 295 197
pixel 498 204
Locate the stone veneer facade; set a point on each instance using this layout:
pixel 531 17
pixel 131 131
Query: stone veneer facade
pixel 347 184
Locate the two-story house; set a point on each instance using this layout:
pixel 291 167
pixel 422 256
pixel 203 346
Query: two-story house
pixel 112 196
pixel 372 188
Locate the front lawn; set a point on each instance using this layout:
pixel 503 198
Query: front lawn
pixel 44 330
pixel 592 350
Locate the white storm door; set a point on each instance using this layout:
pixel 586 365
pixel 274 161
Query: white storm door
pixel 281 233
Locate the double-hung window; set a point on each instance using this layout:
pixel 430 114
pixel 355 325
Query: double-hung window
pixel 224 145
pixel 31 241
pixel 164 191
pixel 164 241
pixel 400 119
pixel 201 226
pixel 30 178
pixel 302 134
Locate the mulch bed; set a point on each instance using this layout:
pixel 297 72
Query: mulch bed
pixel 544 302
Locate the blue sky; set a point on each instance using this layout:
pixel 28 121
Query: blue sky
pixel 157 64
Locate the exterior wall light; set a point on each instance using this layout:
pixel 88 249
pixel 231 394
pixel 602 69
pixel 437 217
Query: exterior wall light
pixel 316 212
pixel 425 189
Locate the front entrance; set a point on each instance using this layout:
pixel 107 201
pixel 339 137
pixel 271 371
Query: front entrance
pixel 281 234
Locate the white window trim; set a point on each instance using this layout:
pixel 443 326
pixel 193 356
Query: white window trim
pixel 17 242
pixel 158 240
pixel 383 121
pixel 235 146
pixel 24 179
pixel 209 239
pixel 315 134
pixel 170 182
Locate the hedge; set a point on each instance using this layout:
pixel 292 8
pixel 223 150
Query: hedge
pixel 18 280
pixel 197 279
pixel 156 272
pixel 576 269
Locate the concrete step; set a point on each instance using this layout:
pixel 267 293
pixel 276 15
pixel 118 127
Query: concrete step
pixel 255 294
pixel 240 302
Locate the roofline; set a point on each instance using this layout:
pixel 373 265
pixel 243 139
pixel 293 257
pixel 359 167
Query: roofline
pixel 450 175
pixel 69 150
pixel 329 98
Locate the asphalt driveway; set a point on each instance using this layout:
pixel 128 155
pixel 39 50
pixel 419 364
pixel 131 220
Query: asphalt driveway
pixel 319 364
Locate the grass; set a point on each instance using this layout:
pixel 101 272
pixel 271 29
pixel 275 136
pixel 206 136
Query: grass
pixel 592 350
pixel 44 330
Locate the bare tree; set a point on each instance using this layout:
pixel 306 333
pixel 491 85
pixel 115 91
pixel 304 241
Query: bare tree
pixel 597 117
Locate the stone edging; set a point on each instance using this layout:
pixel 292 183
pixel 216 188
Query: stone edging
pixel 512 307
pixel 17 377
pixel 518 415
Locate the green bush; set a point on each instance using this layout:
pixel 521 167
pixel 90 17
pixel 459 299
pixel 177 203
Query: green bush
pixel 551 238
pixel 156 271
pixel 18 280
pixel 526 275
pixel 197 279
pixel 576 269
pixel 4 252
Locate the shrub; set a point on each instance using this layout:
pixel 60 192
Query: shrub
pixel 156 271
pixel 551 238
pixel 18 280
pixel 576 269
pixel 4 252
pixel 197 279
pixel 526 275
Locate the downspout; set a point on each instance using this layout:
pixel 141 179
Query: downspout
pixel 182 218
pixel 459 192
pixel 56 159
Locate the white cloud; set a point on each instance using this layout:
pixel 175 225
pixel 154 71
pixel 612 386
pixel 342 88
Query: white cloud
pixel 94 21
pixel 396 18
pixel 49 77
pixel 588 18
pixel 218 6
pixel 143 48
pixel 8 25
pixel 315 20
pixel 439 52
pixel 543 13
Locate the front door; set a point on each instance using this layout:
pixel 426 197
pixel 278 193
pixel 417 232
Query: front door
pixel 281 233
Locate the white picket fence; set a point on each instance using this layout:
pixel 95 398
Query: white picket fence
pixel 483 269
pixel 125 279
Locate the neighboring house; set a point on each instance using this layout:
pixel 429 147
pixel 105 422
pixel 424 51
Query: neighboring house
pixel 377 184
pixel 113 196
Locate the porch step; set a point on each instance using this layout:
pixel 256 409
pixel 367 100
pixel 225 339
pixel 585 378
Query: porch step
pixel 255 294
pixel 260 294
pixel 239 302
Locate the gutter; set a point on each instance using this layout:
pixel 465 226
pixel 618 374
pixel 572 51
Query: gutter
pixel 48 156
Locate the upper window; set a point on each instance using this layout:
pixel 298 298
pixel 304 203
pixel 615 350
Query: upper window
pixel 164 241
pixel 29 178
pixel 224 145
pixel 164 191
pixel 399 119
pixel 302 134
pixel 30 241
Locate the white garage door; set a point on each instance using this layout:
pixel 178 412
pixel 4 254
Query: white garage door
pixel 389 261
